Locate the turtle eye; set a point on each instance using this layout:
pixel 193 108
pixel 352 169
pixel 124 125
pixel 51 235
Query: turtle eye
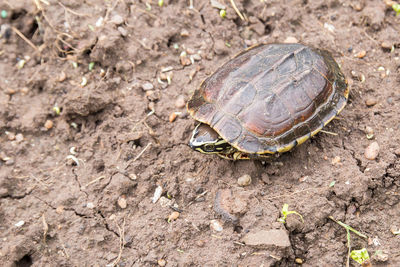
pixel 209 147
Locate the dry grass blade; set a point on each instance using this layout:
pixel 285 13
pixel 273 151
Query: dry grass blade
pixel 237 10
pixel 94 181
pixel 45 228
pixel 73 12
pixel 327 132
pixel 121 232
pixel 20 34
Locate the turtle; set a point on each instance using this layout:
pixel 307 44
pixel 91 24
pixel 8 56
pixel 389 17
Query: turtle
pixel 266 100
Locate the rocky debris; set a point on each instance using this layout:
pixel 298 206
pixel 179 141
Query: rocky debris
pixel 371 101
pixel 244 180
pixel 180 101
pixel 372 151
pixel 147 86
pixel 267 238
pixel 216 226
pixel 386 46
pixel 230 205
pixel 220 48
pixel 122 202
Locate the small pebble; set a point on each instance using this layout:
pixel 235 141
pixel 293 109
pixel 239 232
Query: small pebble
pixel 117 19
pixel 329 27
pixel 215 225
pixel 196 57
pixel 291 40
pixel 122 202
pixel 90 205
pixel 172 117
pixel 20 223
pixel 24 90
pixel 147 86
pixel 371 101
pixel 9 162
pixel 10 136
pixel 185 60
pixel 200 243
pixel 132 176
pixel 48 124
pixel 244 180
pixel 173 216
pixel 62 77
pixel 382 256
pixel 372 151
pixel 190 51
pixel 298 261
pixel 180 101
pixel 10 91
pixel 184 33
pixel 386 46
pixel 370 132
pixel 161 262
pixel 217 4
pixel 122 31
pixel 165 202
pixel 157 194
pixel 220 48
pixel 19 138
pixel 335 160
pixel 361 54
pixel 60 209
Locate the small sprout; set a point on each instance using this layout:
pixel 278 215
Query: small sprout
pixel 84 81
pixel 148 6
pixel 72 150
pixel 73 158
pixel 91 66
pixel 228 44
pixel 160 3
pixel 332 184
pixel 180 250
pixel 348 229
pixel 4 14
pixel 396 8
pixel 74 125
pixel 173 216
pixel 21 64
pixel 176 46
pixel 222 13
pixel 361 256
pixel 90 26
pixel 102 73
pixel 74 64
pixel 285 212
pixel 56 110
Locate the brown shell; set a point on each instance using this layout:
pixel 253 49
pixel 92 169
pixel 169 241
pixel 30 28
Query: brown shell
pixel 271 97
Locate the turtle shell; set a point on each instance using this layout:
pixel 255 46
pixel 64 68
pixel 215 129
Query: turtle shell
pixel 270 98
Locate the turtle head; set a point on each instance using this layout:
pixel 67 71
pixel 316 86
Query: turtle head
pixel 206 140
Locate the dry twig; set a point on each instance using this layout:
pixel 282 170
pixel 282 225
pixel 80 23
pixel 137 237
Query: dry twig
pixel 121 232
pixel 20 34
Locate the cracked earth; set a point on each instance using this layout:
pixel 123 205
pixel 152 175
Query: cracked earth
pixel 83 147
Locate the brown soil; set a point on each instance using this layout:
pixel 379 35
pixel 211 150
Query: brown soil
pixel 83 183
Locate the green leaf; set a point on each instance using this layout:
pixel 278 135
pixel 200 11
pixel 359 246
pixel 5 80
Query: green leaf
pixel 360 256
pixel 222 13
pixel 396 7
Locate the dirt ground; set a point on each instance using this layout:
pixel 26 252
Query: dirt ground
pixel 84 148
